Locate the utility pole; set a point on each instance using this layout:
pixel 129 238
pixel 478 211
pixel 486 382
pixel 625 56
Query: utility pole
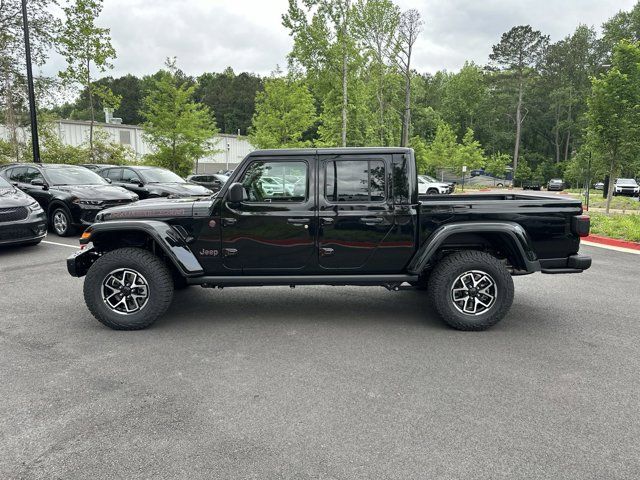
pixel 32 96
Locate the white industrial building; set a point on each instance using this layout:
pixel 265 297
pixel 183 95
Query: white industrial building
pixel 231 149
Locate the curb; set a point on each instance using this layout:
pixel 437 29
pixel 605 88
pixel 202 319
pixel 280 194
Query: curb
pixel 612 242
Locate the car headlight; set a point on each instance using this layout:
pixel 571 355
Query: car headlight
pixel 35 207
pixel 88 203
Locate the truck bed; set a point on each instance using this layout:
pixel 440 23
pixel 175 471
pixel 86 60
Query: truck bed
pixel 546 219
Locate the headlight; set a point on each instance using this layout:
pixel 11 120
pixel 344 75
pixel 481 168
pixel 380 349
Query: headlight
pixel 94 203
pixel 35 207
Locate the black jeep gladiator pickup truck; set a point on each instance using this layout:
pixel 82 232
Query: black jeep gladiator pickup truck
pixel 348 216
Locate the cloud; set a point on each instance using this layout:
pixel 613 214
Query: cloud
pixel 209 35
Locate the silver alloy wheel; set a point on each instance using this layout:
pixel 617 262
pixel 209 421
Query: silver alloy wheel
pixel 60 223
pixel 474 292
pixel 125 291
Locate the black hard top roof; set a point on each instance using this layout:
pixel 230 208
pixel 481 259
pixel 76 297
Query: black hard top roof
pixel 329 151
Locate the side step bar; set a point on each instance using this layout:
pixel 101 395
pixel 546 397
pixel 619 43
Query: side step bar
pixel 264 280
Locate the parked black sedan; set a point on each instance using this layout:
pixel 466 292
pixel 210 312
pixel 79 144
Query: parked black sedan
pixel 153 182
pixel 212 181
pixel 22 220
pixel 70 195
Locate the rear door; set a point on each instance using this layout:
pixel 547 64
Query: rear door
pixel 355 211
pixel 273 229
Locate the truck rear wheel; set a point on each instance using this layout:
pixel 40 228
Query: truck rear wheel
pixel 471 290
pixel 128 289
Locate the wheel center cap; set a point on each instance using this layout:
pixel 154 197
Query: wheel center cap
pixel 126 290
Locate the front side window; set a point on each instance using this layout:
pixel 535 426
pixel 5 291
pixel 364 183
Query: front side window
pixel 129 176
pixel 33 174
pixel 275 182
pixel 355 181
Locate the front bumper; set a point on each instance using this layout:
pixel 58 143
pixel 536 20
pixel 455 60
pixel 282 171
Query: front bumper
pixel 573 264
pixel 79 262
pixel 627 191
pixel 32 228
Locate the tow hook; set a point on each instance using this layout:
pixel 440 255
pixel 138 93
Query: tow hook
pixel 392 287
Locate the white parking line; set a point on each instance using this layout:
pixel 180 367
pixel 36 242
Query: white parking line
pixel 610 247
pixel 62 244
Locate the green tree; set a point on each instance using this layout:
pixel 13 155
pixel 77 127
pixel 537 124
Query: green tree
pixel 522 172
pixel 442 152
pixel 83 44
pixel 421 153
pixel 469 153
pixel 518 51
pixel 179 129
pixel 285 110
pixel 13 92
pixel 614 112
pixel 496 165
pixel 464 98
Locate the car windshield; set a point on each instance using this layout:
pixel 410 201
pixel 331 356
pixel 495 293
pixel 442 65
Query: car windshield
pixel 429 179
pixel 555 180
pixel 630 181
pixel 4 183
pixel 160 175
pixel 73 176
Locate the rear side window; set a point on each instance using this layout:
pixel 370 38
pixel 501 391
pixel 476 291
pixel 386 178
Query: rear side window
pixel 355 181
pixel 18 174
pixel 113 174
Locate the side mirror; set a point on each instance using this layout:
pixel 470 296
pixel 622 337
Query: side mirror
pixel 38 182
pixel 135 181
pixel 236 193
pixel 107 179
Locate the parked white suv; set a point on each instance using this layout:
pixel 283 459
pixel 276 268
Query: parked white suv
pixel 430 186
pixel 626 186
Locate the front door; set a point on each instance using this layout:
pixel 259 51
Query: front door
pixel 355 211
pixel 273 229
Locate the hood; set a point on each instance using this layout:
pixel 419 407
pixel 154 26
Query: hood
pixel 626 183
pixel 97 192
pixel 12 197
pixel 179 189
pixel 150 208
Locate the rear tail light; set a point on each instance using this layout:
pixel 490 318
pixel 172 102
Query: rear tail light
pixel 580 225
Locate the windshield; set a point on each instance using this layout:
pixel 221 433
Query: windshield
pixel 160 175
pixel 4 183
pixel 555 180
pixel 73 176
pixel 429 179
pixel 626 180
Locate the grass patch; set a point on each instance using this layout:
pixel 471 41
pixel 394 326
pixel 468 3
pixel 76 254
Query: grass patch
pixel 625 227
pixel 620 202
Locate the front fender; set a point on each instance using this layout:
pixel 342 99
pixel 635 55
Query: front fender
pixel 517 236
pixel 164 235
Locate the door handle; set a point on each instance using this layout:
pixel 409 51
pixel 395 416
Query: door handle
pixel 371 220
pixel 298 222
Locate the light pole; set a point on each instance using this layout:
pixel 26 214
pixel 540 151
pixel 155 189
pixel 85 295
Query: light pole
pixel 32 96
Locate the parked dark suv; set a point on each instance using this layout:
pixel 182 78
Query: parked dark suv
pixel 70 195
pixel 212 181
pixel 22 220
pixel 153 182
pixel 555 184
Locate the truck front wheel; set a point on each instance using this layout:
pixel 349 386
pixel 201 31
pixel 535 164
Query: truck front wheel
pixel 471 290
pixel 128 289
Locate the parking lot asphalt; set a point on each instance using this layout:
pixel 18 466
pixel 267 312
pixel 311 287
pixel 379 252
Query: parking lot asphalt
pixel 320 382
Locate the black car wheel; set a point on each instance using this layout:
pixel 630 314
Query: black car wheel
pixel 432 191
pixel 128 289
pixel 471 290
pixel 61 222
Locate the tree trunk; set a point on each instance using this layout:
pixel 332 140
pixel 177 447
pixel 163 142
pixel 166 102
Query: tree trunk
pixel 93 118
pixel 566 145
pixel 11 117
pixel 381 105
pixel 344 74
pixel 406 121
pixel 557 134
pixel 612 175
pixel 516 147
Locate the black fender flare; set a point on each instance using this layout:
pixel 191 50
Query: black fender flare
pixel 172 243
pixel 514 232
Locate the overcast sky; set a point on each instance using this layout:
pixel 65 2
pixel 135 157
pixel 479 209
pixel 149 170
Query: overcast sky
pixel 209 35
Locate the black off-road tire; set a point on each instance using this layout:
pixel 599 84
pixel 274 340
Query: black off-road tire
pixel 445 274
pixel 154 271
